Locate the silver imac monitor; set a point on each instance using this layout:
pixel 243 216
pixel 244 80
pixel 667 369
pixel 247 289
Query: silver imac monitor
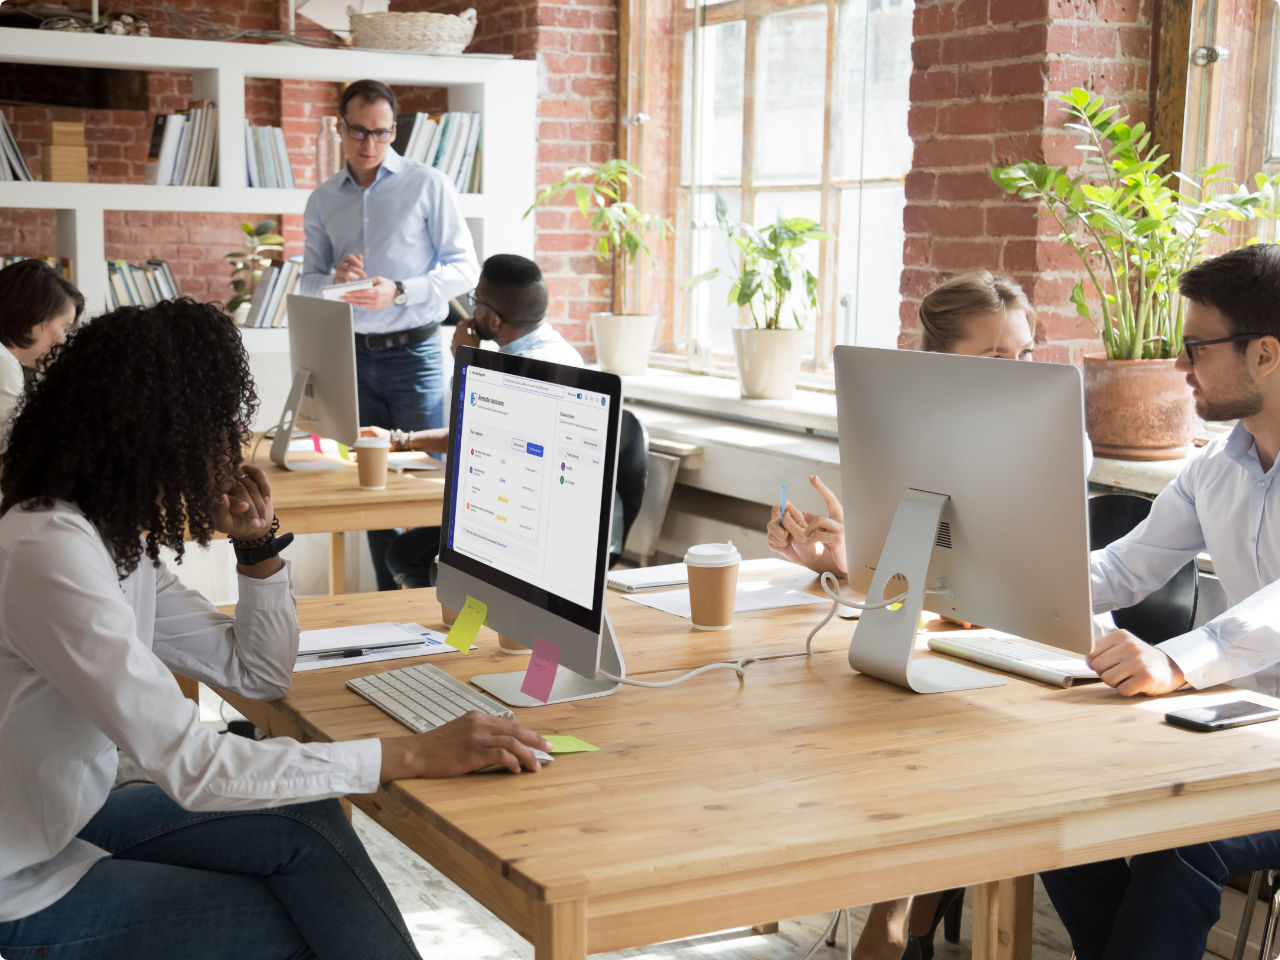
pixel 323 398
pixel 533 447
pixel 963 478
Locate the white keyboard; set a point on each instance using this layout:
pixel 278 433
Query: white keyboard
pixel 424 697
pixel 1004 652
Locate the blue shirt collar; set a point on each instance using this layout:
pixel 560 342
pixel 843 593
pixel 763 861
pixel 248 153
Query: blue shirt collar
pixel 392 163
pixel 1241 447
pixel 526 343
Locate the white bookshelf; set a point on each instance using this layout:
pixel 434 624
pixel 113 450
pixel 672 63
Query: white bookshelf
pixel 502 91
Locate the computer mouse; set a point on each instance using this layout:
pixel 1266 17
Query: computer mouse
pixel 542 755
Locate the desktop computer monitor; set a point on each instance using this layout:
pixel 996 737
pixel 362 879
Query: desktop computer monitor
pixel 322 358
pixel 963 478
pixel 533 448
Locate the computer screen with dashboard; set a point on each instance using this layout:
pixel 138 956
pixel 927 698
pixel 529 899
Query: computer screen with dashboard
pixel 962 478
pixel 528 502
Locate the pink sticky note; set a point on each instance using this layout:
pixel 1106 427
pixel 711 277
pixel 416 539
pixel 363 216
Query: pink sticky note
pixel 315 442
pixel 542 670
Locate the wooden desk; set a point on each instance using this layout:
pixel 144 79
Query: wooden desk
pixel 331 501
pixel 804 788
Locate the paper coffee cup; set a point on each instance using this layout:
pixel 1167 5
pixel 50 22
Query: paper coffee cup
pixel 713 584
pixel 371 462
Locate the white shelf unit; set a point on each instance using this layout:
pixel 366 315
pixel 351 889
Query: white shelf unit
pixel 502 91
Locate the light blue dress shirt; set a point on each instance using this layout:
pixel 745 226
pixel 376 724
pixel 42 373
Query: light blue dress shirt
pixel 1225 503
pixel 408 227
pixel 544 342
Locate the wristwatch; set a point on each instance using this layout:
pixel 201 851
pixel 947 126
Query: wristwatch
pixel 402 295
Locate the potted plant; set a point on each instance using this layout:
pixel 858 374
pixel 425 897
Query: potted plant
pixel 1135 234
pixel 769 278
pixel 623 340
pixel 260 245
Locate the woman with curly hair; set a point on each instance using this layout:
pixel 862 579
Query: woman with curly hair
pixel 38 308
pixel 130 440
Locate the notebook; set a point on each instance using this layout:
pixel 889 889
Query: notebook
pixel 642 578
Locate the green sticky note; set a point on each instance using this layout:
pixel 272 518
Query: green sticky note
pixel 463 632
pixel 343 452
pixel 568 744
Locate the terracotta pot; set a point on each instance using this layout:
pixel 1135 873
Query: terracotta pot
pixel 623 341
pixel 1138 409
pixel 768 361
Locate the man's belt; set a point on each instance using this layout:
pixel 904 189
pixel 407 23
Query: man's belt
pixel 400 338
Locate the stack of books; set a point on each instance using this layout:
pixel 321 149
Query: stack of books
pixel 450 142
pixel 267 157
pixel 61 264
pixel 184 147
pixel 12 165
pixel 270 296
pixel 139 285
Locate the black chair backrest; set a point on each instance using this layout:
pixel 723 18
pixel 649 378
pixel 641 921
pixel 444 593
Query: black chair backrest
pixel 633 472
pixel 1167 612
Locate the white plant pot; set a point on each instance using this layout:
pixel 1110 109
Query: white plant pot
pixel 623 341
pixel 768 362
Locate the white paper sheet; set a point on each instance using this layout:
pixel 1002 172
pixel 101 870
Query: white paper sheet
pixel 750 596
pixel 430 641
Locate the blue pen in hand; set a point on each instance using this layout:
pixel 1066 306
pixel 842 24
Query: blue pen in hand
pixel 782 501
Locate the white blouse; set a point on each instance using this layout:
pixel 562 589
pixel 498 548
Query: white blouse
pixel 84 668
pixel 11 386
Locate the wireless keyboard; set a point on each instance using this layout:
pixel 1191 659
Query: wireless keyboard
pixel 1005 652
pixel 424 697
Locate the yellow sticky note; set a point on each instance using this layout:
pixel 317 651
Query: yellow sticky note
pixel 463 632
pixel 568 744
pixel 343 452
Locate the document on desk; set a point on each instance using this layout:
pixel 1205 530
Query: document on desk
pixel 421 643
pixel 750 596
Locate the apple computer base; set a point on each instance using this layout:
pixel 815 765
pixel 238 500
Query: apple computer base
pixel 884 642
pixel 568 685
pixel 284 429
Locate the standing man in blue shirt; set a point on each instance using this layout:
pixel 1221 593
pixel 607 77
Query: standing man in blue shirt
pixel 1161 906
pixel 397 222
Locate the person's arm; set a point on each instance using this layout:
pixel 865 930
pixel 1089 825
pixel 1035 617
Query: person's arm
pixel 317 254
pixel 455 269
pixel 814 540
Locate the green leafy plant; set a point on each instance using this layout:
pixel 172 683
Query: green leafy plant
pixel 247 264
pixel 769 272
pixel 618 224
pixel 1133 231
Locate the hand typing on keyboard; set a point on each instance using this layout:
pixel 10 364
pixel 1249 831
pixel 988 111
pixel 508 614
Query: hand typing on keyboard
pixel 471 742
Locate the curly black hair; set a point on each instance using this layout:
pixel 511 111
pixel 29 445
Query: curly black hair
pixel 139 419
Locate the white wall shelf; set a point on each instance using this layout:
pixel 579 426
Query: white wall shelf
pixel 503 91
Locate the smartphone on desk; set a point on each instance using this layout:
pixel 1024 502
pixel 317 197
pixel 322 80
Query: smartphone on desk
pixel 1220 716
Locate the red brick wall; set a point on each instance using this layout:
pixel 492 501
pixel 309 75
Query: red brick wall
pixel 983 92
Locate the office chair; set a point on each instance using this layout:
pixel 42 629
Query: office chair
pixel 633 472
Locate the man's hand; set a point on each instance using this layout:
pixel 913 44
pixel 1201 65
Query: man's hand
pixel 378 297
pixel 350 267
pixel 810 538
pixel 472 741
pixel 1132 666
pixel 464 335
pixel 244 510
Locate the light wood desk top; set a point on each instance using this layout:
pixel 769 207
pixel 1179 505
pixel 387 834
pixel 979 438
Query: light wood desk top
pixel 805 787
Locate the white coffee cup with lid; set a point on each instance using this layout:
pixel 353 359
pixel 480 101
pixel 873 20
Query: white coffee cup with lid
pixel 713 584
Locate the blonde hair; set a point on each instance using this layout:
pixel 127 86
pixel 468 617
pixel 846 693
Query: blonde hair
pixel 946 310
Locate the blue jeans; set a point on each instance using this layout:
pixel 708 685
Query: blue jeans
pixel 289 882
pixel 400 388
pixel 1159 906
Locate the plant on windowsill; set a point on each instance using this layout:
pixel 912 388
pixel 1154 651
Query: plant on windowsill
pixel 768 279
pixel 1135 234
pixel 623 340
pixel 260 245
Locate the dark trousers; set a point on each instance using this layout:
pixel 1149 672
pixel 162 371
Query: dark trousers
pixel 403 389
pixel 1158 906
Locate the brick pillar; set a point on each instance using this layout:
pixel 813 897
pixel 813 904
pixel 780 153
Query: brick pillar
pixel 983 92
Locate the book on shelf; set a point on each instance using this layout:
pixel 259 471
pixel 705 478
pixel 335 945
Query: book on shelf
pixel 449 142
pixel 276 313
pixel 267 157
pixel 165 277
pixel 463 180
pixel 139 285
pixel 151 173
pixel 261 294
pixel 12 164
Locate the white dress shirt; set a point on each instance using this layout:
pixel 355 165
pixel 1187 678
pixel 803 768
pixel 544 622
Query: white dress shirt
pixel 11 386
pixel 84 668
pixel 1225 503
pixel 544 342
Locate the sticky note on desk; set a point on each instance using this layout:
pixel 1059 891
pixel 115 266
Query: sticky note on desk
pixel 568 744
pixel 541 674
pixel 470 619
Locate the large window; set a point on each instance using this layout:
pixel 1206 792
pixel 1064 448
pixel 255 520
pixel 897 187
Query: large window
pixel 782 108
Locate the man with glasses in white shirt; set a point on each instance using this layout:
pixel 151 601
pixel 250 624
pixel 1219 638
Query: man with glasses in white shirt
pixel 396 222
pixel 1161 906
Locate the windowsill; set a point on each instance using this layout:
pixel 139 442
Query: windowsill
pixel 806 410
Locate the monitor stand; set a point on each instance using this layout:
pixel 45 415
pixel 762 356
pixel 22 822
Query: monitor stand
pixel 568 685
pixel 284 429
pixel 884 641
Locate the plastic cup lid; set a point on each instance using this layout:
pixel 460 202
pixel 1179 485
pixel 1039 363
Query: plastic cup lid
pixel 712 555
pixel 373 442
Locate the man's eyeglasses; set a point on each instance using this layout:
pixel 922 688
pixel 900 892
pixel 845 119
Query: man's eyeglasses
pixel 358 133
pixel 1191 346
pixel 469 303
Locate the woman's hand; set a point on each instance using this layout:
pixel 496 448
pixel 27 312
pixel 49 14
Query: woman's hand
pixel 245 510
pixel 471 742
pixel 811 539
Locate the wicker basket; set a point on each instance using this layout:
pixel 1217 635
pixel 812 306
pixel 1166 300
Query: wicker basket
pixel 421 32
